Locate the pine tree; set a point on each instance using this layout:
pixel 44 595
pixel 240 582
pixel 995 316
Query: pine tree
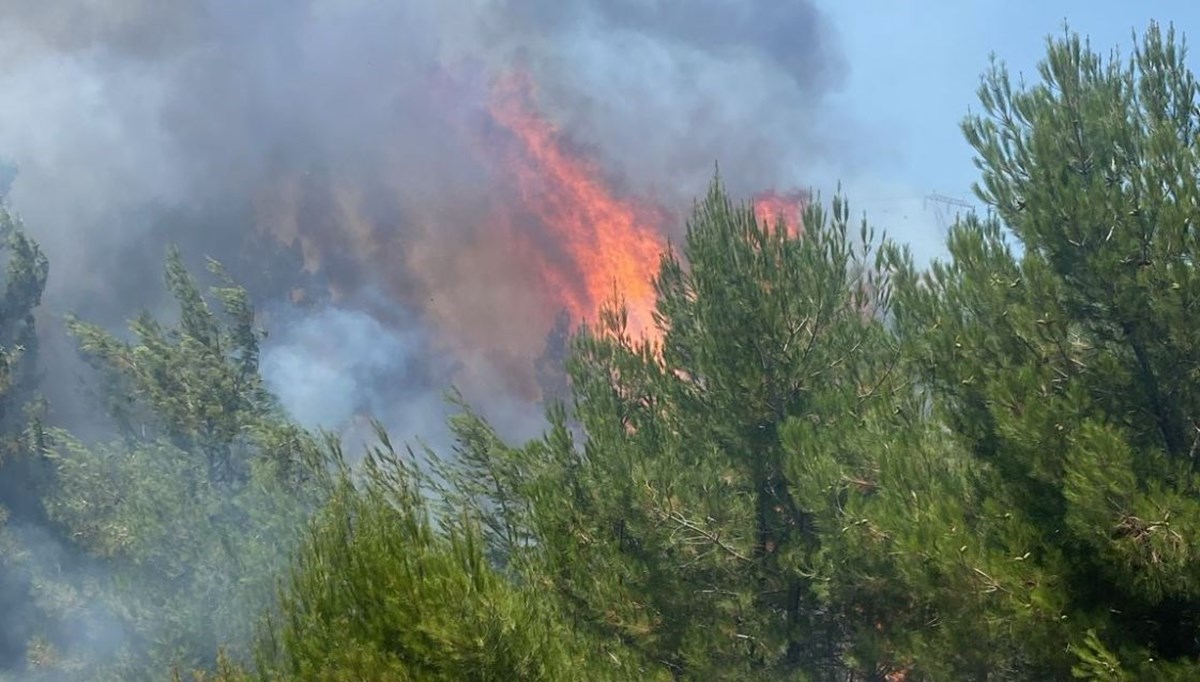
pixel 188 514
pixel 21 475
pixel 381 591
pixel 674 533
pixel 1066 374
pixel 24 280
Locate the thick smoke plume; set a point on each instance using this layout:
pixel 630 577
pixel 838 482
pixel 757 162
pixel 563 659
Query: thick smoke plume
pixel 347 146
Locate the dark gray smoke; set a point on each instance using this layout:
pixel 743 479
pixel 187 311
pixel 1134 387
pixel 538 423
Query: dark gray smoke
pixel 666 87
pixel 792 36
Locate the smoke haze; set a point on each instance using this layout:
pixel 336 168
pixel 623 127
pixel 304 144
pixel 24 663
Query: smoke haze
pixel 330 148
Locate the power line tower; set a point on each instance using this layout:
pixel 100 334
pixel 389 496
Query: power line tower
pixel 944 209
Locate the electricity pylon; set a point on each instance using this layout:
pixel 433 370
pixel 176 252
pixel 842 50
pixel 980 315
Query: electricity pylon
pixel 942 207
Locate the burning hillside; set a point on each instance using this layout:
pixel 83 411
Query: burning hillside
pixel 490 267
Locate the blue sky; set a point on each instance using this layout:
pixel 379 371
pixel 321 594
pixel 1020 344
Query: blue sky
pixel 912 72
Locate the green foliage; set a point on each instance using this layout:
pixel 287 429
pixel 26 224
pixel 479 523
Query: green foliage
pixel 191 512
pixel 675 535
pixel 378 592
pixel 197 384
pixel 22 477
pixel 1068 374
pixel 24 279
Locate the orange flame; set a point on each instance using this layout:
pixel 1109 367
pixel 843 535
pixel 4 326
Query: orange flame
pixel 606 244
pixel 770 207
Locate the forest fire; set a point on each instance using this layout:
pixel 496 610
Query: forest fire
pixel 771 206
pixel 488 267
pixel 603 244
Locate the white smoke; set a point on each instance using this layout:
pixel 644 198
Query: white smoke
pixel 335 367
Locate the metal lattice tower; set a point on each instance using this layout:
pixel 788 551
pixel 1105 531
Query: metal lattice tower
pixel 944 209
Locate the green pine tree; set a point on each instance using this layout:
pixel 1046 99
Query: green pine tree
pixel 189 513
pixel 22 475
pixel 382 591
pixel 1057 347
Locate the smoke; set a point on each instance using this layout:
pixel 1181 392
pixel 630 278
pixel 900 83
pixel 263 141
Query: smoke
pixel 68 584
pixel 666 87
pixel 346 124
pixel 337 367
pixel 338 147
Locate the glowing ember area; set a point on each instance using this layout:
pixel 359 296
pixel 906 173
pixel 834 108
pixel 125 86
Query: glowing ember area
pixel 592 243
pixel 770 207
